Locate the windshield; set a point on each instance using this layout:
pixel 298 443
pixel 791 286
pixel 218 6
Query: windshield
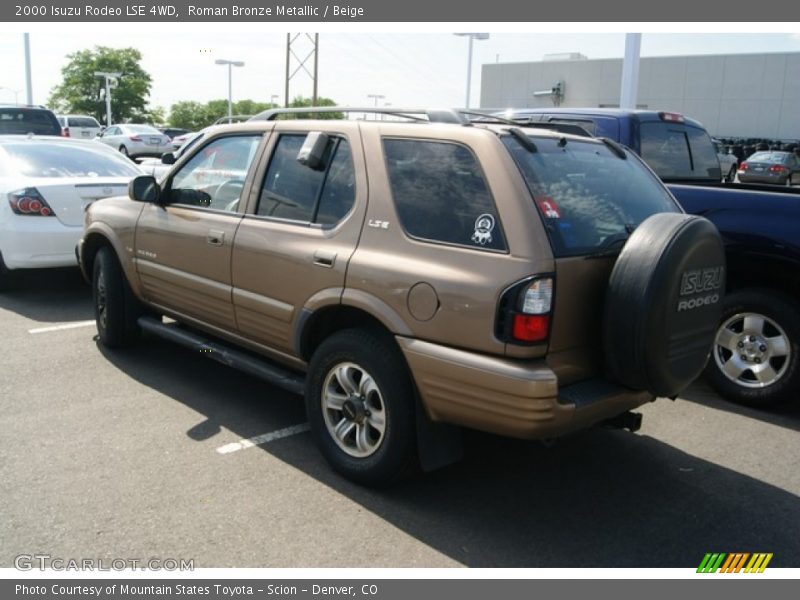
pixel 586 194
pixel 64 159
pixel 770 157
pixel 678 152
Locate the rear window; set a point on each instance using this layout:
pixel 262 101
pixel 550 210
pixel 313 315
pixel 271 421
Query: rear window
pixel 587 196
pixel 83 122
pixel 770 157
pixel 64 159
pixel 679 152
pixel 24 120
pixel 143 129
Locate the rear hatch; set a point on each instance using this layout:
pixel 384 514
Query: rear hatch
pixel 590 197
pixel 85 128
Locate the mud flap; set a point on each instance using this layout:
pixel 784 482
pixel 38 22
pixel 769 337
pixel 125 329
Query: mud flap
pixel 438 444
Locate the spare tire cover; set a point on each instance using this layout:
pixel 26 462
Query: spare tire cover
pixel 663 303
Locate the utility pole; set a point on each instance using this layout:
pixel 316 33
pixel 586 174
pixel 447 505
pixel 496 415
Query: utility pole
pixel 291 43
pixel 472 37
pixel 108 77
pixel 28 80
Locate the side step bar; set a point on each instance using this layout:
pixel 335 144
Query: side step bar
pixel 283 378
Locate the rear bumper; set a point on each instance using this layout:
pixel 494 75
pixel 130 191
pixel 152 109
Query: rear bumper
pixel 774 179
pixel 508 397
pixel 38 242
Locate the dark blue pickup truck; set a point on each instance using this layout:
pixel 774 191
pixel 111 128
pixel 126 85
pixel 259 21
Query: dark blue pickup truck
pixel 756 356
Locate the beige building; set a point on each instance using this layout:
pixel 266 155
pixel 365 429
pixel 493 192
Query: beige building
pixel 742 95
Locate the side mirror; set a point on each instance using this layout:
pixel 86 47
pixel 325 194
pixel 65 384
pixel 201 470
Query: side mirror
pixel 144 188
pixel 312 154
pixel 168 158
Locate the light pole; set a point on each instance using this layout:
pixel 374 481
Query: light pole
pixel 108 77
pixel 375 97
pixel 231 64
pixel 471 36
pixel 15 92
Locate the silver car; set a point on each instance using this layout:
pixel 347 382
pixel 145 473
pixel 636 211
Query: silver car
pixel 136 140
pixel 780 168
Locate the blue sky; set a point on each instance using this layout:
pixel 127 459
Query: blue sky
pixel 408 69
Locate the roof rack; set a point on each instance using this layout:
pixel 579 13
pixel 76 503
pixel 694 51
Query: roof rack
pixel 456 116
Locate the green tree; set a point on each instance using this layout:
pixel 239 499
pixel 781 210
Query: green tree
pixel 301 102
pixel 81 91
pixel 188 114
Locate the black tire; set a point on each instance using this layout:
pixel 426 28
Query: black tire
pixel 663 303
pixel 781 320
pixel 393 451
pixel 124 151
pixel 116 310
pixel 6 276
pixel 731 177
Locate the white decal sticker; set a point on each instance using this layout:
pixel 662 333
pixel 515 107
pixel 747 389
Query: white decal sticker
pixel 483 229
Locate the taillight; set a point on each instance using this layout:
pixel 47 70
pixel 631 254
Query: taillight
pixel 743 166
pixel 29 202
pixel 777 169
pixel 65 132
pixel 524 311
pixel 135 138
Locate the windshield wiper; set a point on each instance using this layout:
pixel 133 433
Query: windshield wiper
pixel 611 245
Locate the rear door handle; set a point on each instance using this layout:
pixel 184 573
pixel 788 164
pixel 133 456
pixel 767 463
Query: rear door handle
pixel 215 237
pixel 324 258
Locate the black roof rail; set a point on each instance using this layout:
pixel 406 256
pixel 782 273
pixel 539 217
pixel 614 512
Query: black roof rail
pixel 429 115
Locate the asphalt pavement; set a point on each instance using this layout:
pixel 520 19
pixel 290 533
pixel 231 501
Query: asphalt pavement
pixel 159 452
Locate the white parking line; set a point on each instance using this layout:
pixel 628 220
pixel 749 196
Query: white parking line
pixel 74 325
pixel 264 438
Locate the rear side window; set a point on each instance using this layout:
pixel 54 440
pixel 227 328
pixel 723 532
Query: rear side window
pixel 441 195
pixel 679 152
pixel 587 196
pixel 25 120
pixel 296 192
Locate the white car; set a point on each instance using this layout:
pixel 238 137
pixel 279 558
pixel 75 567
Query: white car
pixel 46 183
pixel 158 167
pixel 79 126
pixel 136 140
pixel 728 163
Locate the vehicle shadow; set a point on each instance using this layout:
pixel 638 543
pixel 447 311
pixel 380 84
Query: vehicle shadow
pixel 787 415
pixel 600 499
pixel 49 295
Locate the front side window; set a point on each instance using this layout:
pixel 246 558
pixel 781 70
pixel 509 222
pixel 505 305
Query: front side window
pixel 441 195
pixel 296 192
pixel 215 176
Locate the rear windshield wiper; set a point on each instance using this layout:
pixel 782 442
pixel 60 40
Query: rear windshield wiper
pixel 610 245
pixel 523 139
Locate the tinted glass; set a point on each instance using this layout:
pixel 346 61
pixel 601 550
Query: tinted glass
pixel 290 189
pixel 83 122
pixel 65 159
pixel 338 193
pixel 441 195
pixel 586 194
pixel 215 176
pixel 676 151
pixel 22 121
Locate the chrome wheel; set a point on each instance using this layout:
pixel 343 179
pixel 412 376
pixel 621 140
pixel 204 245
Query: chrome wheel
pixel 353 410
pixel 752 350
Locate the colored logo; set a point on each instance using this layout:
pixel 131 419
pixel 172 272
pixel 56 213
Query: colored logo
pixel 744 562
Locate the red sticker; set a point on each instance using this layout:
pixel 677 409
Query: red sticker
pixel 548 207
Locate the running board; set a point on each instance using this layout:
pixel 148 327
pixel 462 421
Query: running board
pixel 285 379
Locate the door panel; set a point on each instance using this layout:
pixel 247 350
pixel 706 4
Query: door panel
pixel 183 248
pixel 278 263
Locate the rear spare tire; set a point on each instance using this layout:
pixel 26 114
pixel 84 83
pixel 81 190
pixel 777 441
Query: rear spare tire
pixel 663 303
